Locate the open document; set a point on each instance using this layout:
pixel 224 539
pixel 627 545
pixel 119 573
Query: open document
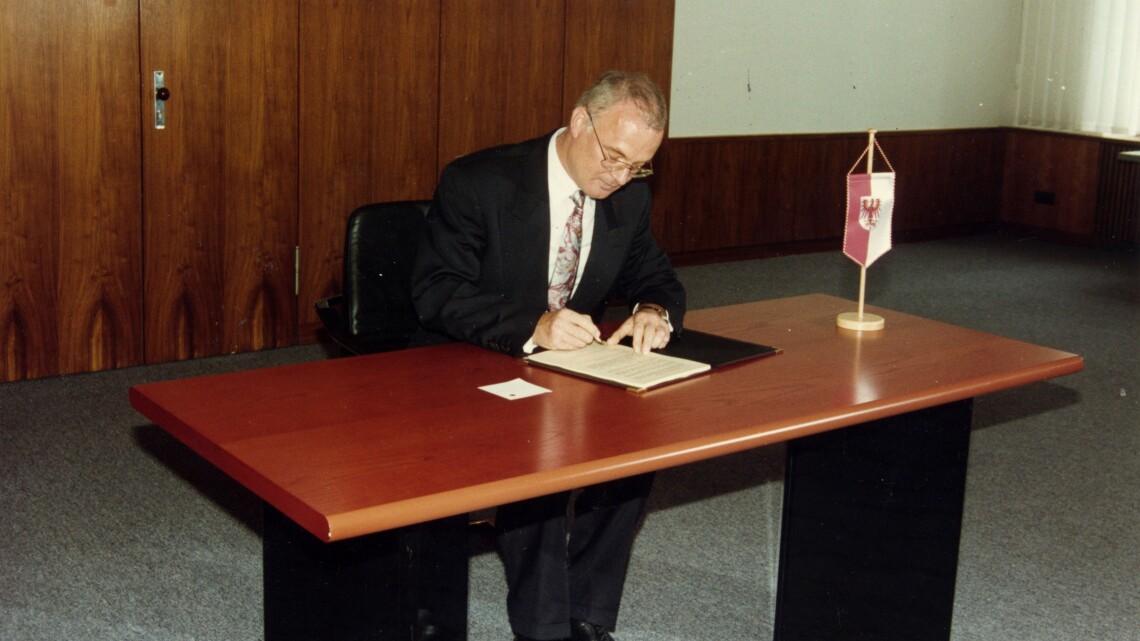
pixel 691 353
pixel 619 365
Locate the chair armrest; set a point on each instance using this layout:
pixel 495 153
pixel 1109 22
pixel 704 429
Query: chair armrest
pixel 328 308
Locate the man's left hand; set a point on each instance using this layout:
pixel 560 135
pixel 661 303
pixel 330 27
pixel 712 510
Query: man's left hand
pixel 649 331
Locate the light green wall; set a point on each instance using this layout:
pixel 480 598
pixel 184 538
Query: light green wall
pixel 815 66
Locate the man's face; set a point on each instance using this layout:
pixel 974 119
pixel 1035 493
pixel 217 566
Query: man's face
pixel 623 135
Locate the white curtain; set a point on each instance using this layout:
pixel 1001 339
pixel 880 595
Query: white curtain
pixel 1080 66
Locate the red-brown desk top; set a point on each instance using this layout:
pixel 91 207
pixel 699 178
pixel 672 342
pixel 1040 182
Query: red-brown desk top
pixel 351 446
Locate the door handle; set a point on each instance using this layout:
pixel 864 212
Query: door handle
pixel 161 95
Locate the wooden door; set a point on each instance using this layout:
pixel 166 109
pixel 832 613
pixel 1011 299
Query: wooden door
pixel 70 280
pixel 369 106
pixel 220 180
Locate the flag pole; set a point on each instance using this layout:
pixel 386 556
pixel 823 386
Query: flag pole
pixel 859 321
pixel 870 170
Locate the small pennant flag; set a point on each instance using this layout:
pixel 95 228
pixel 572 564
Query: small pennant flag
pixel 870 201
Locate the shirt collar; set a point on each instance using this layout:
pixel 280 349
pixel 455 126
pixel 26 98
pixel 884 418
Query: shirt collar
pixel 560 182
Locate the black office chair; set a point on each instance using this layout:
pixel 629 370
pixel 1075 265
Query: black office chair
pixel 375 313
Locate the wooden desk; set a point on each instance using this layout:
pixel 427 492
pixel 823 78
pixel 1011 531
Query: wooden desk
pixel 355 446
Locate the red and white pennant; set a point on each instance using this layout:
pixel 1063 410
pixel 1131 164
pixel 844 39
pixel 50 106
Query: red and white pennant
pixel 870 204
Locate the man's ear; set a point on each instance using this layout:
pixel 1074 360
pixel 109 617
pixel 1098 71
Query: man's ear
pixel 579 121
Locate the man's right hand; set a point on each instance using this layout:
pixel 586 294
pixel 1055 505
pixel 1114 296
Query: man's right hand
pixel 565 329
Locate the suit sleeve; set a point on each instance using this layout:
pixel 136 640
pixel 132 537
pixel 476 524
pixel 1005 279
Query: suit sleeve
pixel 647 275
pixel 451 293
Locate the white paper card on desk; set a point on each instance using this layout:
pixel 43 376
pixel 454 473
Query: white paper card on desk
pixel 516 389
pixel 619 365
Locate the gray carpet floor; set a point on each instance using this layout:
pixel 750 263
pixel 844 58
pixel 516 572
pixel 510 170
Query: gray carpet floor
pixel 110 529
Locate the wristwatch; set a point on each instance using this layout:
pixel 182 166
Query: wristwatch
pixel 661 311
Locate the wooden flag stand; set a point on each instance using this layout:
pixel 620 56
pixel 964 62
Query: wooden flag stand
pixel 858 320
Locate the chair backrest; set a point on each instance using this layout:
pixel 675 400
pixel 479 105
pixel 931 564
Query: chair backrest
pixel 380 246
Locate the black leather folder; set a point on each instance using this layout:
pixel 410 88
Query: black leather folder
pixel 717 351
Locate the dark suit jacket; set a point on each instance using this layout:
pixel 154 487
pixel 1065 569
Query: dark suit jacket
pixel 481 269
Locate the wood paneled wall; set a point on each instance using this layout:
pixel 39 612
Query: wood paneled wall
pixel 603 35
pixel 497 82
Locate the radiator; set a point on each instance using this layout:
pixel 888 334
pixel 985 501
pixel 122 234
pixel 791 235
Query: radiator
pixel 1117 220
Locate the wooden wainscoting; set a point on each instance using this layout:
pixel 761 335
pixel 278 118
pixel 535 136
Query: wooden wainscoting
pixel 739 197
pixel 1071 187
pixel 1050 181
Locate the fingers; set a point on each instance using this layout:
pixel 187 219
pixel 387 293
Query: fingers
pixel 565 329
pixel 621 332
pixel 650 335
pixel 648 331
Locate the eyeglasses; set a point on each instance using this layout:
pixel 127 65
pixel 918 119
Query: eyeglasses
pixel 640 170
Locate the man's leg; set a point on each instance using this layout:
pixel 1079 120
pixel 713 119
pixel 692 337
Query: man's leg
pixel 532 543
pixel 601 540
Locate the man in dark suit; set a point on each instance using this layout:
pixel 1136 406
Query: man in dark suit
pixel 525 245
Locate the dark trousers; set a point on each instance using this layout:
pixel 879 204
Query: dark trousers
pixel 568 561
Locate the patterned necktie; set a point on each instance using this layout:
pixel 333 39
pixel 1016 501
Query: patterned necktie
pixel 566 262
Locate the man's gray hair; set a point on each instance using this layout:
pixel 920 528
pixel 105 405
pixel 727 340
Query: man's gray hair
pixel 614 87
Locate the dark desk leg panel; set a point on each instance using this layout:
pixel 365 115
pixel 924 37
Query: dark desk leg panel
pixel 405 585
pixel 872 517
